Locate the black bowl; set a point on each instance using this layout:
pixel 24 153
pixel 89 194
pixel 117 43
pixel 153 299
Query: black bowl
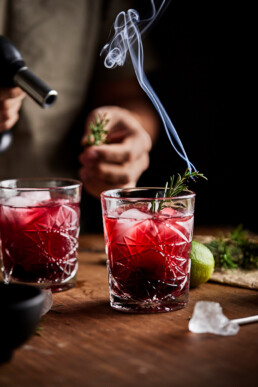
pixel 20 312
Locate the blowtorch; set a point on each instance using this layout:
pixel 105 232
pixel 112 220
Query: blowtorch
pixel 14 72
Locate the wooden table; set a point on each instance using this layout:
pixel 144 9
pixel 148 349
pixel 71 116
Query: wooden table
pixel 83 342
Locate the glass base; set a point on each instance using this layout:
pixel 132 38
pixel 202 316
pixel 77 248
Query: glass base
pixel 54 287
pixel 148 306
pixel 63 287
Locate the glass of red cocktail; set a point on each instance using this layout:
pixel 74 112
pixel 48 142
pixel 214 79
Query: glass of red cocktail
pixel 39 229
pixel 148 242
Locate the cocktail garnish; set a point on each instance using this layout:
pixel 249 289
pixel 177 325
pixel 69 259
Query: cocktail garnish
pixel 98 134
pixel 176 186
pixel 236 250
pixel 179 185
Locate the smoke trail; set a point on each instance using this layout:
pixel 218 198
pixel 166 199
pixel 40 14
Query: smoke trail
pixel 128 29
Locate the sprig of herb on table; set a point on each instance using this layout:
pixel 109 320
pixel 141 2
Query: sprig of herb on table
pixel 38 331
pixel 98 133
pixel 236 250
pixel 175 186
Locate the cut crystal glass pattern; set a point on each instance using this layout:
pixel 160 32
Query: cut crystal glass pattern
pixel 39 244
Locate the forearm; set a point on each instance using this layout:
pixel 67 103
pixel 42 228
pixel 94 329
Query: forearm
pixel 128 94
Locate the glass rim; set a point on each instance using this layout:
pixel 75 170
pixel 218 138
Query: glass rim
pixel 72 183
pixel 108 194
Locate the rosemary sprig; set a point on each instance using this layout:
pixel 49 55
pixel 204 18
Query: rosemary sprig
pixel 98 133
pixel 178 185
pixel 175 187
pixel 225 252
pixel 236 250
pixel 38 331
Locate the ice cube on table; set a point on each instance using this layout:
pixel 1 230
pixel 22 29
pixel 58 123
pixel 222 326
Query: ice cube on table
pixel 209 318
pixel 133 213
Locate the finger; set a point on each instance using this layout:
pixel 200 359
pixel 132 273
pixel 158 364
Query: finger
pixel 92 185
pixel 11 92
pixel 11 102
pixel 112 153
pixel 113 175
pixel 6 114
pixel 88 155
pixel 131 148
pixel 119 174
pixel 8 124
pixel 95 186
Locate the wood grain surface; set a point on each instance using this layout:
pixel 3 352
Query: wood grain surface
pixel 83 342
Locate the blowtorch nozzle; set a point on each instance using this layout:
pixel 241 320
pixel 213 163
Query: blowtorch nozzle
pixel 14 72
pixel 35 87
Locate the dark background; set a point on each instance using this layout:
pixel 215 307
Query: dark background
pixel 205 83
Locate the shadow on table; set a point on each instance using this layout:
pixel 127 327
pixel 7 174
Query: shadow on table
pixel 91 308
pixel 247 301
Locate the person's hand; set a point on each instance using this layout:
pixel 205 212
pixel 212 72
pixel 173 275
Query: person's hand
pixel 10 104
pixel 120 162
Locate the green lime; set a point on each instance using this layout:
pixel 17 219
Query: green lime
pixel 202 264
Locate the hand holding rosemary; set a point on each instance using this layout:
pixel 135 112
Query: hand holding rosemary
pixel 98 135
pixel 98 131
pixel 176 186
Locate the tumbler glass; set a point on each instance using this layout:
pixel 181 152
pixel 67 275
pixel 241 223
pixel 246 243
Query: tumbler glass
pixel 39 230
pixel 148 242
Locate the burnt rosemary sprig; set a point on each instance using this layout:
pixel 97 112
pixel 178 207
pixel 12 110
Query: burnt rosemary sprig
pixel 176 185
pixel 98 133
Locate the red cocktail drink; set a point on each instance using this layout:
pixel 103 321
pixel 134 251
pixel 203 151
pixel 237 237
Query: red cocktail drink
pixel 39 237
pixel 148 252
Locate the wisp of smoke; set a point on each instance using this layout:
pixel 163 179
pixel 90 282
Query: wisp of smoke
pixel 127 38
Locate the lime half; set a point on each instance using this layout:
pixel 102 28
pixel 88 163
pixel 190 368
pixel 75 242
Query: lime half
pixel 202 264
